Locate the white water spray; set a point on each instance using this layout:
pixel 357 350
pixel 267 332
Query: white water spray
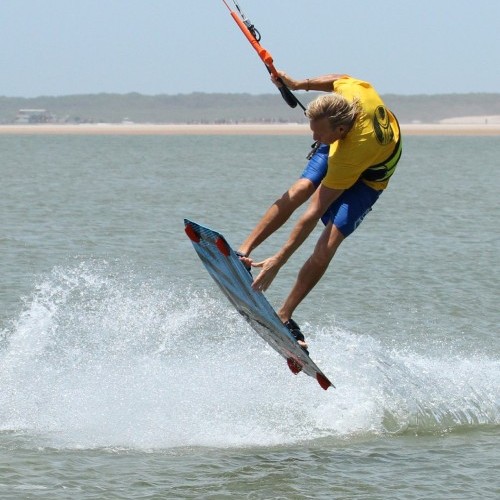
pixel 97 359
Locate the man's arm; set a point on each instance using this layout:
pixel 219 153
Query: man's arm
pixel 277 214
pixel 321 83
pixel 321 200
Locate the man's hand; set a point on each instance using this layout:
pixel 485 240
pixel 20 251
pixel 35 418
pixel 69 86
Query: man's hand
pixel 285 79
pixel 269 269
pixel 245 260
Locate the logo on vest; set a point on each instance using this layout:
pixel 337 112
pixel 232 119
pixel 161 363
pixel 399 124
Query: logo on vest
pixel 382 126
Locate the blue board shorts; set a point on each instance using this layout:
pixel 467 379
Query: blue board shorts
pixel 351 207
pixel 349 210
pixel 317 166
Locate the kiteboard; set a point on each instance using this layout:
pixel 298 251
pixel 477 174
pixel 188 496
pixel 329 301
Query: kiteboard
pixel 225 267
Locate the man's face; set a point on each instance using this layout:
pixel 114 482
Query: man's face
pixel 323 132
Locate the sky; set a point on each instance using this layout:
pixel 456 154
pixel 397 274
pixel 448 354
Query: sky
pixel 406 47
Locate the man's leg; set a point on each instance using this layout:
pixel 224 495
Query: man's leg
pixel 312 270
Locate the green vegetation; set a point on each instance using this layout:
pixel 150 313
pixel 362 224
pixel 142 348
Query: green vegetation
pixel 231 108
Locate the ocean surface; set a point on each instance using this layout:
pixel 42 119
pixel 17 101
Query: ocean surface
pixel 124 372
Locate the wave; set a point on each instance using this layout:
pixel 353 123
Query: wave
pixel 98 358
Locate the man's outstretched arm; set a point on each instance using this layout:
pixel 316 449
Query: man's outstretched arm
pixel 322 199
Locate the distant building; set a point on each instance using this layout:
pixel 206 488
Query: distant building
pixel 34 116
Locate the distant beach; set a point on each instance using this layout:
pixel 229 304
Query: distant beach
pixel 452 128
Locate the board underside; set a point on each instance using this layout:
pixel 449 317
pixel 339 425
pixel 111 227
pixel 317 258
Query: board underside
pixel 235 281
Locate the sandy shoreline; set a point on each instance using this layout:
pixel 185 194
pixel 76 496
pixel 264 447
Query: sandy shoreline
pixel 463 129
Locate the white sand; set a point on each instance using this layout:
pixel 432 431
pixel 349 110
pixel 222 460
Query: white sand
pixel 457 127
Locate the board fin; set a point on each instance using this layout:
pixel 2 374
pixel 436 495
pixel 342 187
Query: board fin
pixel 323 381
pixel 223 246
pixel 295 367
pixel 192 234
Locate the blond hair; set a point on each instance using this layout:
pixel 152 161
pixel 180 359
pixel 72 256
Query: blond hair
pixel 336 108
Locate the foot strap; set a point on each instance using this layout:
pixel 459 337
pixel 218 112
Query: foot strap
pixel 294 329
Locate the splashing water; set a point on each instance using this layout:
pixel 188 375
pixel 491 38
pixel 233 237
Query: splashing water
pixel 97 359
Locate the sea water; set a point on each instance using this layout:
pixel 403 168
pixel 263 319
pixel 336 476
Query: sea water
pixel 125 373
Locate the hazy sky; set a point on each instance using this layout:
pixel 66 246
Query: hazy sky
pixel 63 47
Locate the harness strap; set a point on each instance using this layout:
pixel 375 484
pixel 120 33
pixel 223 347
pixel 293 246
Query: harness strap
pixel 382 171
